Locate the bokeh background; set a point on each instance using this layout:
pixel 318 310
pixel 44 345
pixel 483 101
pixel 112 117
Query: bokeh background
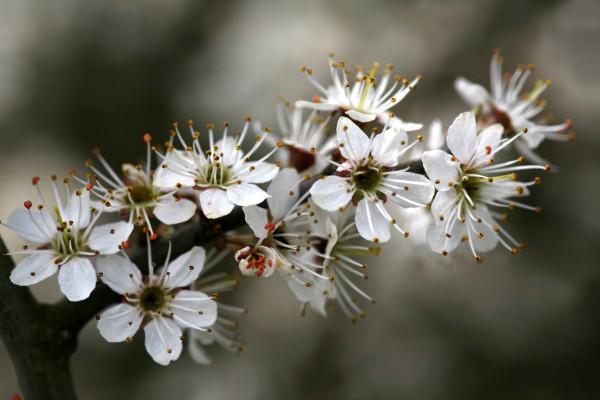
pixel 77 74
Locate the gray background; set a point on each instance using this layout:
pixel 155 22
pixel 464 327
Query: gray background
pixel 75 74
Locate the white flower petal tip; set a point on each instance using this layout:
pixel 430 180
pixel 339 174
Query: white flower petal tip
pixel 34 268
pixel 108 238
pixel 77 279
pixel 174 210
pixel 163 340
pixel 331 193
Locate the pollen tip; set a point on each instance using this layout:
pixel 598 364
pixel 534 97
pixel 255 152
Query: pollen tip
pixel 568 123
pixel 478 259
pixel 547 167
pixel 35 180
pixel 147 137
pixel 27 204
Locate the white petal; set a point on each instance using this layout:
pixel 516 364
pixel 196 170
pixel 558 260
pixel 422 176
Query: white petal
pixel 185 269
pixel 399 124
pixel 194 309
pixel 489 240
pixel 440 207
pixel 246 194
pixel 440 242
pixel 35 226
pixel 416 190
pixel 388 145
pixel 107 238
pixel 321 221
pixel 313 294
pixel 119 273
pixel 440 169
pixel 487 142
pixel 284 192
pixel 77 278
pixel 360 116
pixel 256 218
pixel 178 168
pixel 472 93
pixel 215 203
pixel 258 172
pixel 352 141
pixel 370 224
pixel 462 137
pixel 78 210
pixel 34 268
pixel 331 193
pixel 119 322
pixel 435 137
pixel 171 211
pixel 163 340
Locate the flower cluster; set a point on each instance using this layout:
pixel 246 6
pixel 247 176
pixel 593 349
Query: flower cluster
pixel 316 199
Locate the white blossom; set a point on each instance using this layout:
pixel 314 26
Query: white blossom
pixel 161 303
pixel 468 183
pixel 223 175
pixel 364 100
pixel 367 179
pixel 516 110
pixel 134 193
pixel 305 142
pixel 67 238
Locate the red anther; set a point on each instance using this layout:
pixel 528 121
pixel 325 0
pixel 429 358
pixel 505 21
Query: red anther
pixel 270 227
pixel 89 186
pixel 316 99
pixel 125 244
pixel 344 174
pixel 154 236
pixel 35 180
pixel 488 149
pixel 147 137
pixel 27 204
pixel 15 396
pixel 270 263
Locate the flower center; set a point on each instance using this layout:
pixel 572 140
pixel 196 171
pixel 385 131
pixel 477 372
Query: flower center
pixel 217 174
pixel 152 299
pixel 140 194
pixel 367 178
pixel 69 243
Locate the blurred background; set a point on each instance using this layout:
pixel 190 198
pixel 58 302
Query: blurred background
pixel 77 74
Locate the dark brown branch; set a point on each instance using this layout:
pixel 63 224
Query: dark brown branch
pixel 39 344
